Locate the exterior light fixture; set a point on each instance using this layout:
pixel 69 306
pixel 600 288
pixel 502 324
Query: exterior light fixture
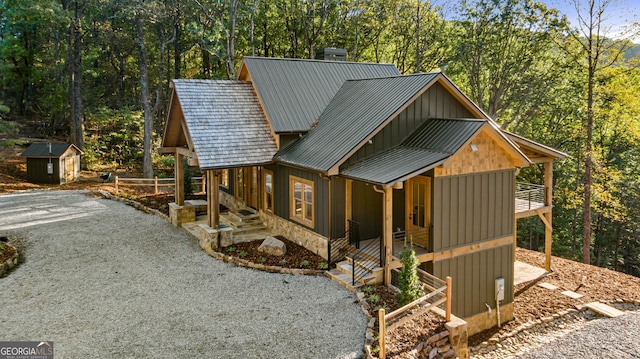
pixel 474 148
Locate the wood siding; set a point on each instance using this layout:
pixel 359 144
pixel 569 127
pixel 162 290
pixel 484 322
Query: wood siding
pixel 474 277
pixel 472 208
pixel 436 102
pixel 37 171
pixel 367 210
pixel 338 187
pixel 321 196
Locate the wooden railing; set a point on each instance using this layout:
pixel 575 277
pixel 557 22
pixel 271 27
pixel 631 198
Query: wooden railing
pixel 398 317
pixel 156 183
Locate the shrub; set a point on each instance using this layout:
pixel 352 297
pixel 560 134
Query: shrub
pixel 408 281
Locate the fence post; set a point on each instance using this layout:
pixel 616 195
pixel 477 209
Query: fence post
pixel 382 354
pixel 448 310
pixel 155 184
pixel 116 182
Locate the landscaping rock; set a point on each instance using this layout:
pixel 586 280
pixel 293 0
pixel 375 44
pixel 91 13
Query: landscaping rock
pixel 273 246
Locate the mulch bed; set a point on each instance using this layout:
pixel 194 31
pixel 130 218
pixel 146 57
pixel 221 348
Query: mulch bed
pixel 6 252
pixel 295 257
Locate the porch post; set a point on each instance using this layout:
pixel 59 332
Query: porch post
pixel 212 199
pixel 548 201
pixel 179 179
pixel 387 232
pixel 348 202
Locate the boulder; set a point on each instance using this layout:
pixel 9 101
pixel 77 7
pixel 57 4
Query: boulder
pixel 273 246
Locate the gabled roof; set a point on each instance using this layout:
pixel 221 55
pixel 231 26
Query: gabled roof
pixel 358 110
pixel 537 152
pixel 427 147
pixel 294 92
pixel 224 123
pixel 42 149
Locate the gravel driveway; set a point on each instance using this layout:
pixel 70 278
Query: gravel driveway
pixel 103 280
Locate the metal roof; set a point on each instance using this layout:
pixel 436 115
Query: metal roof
pixel 294 92
pixel 357 111
pixel 427 147
pixel 226 123
pixel 42 149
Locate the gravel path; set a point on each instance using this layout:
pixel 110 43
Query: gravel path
pixel 103 280
pixel 578 335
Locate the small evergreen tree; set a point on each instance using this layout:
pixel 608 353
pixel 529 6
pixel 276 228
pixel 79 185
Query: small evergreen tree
pixel 408 281
pixel 188 181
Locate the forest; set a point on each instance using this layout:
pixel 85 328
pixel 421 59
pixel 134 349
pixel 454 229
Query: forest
pixel 97 73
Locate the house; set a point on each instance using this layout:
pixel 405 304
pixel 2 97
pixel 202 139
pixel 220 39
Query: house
pixel 52 163
pixel 347 158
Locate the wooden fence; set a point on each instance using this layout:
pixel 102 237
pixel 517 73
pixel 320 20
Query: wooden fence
pixel 156 183
pixel 393 320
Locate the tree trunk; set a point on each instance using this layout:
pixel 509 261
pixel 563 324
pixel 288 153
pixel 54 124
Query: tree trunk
pixel 75 63
pixel 586 239
pixel 177 50
pixel 147 167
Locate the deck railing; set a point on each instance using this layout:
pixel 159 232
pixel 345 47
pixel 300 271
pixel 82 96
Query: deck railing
pixel 437 292
pixel 155 182
pixel 529 196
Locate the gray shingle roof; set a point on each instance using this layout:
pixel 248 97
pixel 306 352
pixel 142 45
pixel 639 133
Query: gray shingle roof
pixel 42 150
pixel 226 123
pixel 358 109
pixel 427 147
pixel 295 92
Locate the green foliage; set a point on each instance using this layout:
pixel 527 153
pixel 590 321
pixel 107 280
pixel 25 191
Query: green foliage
pixel 323 266
pixel 243 254
pixel 262 260
pixel 367 289
pixel 373 298
pixel 283 262
pixel 304 263
pixel 231 249
pixel 114 139
pixel 189 172
pixel 408 281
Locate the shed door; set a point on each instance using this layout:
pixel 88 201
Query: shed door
pixel 69 168
pixel 418 202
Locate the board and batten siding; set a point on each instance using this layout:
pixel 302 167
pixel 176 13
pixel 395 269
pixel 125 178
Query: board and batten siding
pixel 281 193
pixel 436 102
pixel 472 208
pixel 469 209
pixel 473 277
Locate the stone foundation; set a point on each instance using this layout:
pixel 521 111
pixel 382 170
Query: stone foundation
pixel 180 215
pixel 292 231
pixel 486 320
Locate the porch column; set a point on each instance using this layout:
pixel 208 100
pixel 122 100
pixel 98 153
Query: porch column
pixel 387 232
pixel 212 199
pixel 548 201
pixel 348 202
pixel 179 178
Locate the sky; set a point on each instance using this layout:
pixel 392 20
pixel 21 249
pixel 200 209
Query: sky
pixel 620 13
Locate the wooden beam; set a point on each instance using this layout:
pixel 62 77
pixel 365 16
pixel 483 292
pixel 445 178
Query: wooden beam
pixel 387 230
pixel 472 248
pixel 213 215
pixel 544 219
pixel 181 150
pixel 548 232
pixel 179 177
pixel 533 212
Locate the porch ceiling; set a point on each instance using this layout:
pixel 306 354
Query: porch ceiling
pixel 394 165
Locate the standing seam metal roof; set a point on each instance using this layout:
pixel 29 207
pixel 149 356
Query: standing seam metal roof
pixel 226 123
pixel 294 92
pixel 355 112
pixel 427 147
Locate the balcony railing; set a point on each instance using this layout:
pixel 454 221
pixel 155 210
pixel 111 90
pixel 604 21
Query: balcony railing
pixel 529 196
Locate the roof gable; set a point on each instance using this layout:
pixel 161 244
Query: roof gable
pixel 222 122
pixel 357 111
pixel 294 92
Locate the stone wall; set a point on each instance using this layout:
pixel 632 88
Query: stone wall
pixel 279 226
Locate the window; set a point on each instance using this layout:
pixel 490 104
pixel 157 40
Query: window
pixel 301 197
pixel 268 190
pixel 224 178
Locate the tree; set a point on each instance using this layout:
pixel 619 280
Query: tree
pixel 595 53
pixel 408 281
pixel 76 9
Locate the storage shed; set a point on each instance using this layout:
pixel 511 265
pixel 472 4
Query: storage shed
pixel 52 163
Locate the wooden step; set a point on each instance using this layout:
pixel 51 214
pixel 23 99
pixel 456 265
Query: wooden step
pixel 605 310
pixel 241 217
pixel 343 279
pixel 362 276
pixel 365 262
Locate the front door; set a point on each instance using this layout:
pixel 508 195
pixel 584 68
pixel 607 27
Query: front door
pixel 418 210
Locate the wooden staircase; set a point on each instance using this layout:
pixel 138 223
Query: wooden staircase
pixel 367 268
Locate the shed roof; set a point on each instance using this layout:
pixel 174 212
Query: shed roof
pixel 225 122
pixel 42 149
pixel 358 109
pixel 427 147
pixel 294 92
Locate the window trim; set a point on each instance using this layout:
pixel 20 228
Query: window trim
pixel 265 202
pixel 292 201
